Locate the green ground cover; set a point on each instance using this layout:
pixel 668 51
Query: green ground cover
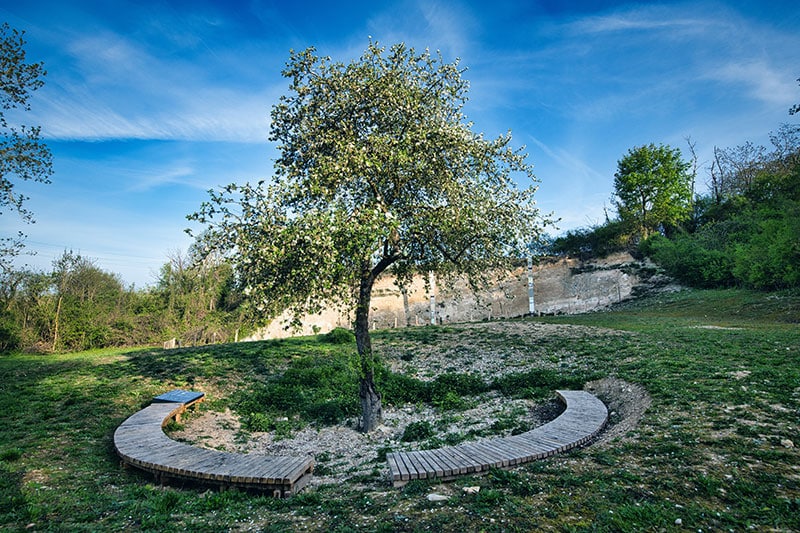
pixel 717 449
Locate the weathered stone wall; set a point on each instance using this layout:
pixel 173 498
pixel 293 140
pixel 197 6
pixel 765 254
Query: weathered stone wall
pixel 560 286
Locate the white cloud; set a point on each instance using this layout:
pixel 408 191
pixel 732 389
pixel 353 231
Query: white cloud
pixel 576 167
pixel 671 21
pixel 761 80
pixel 110 86
pixel 195 113
pixel 628 22
pixel 450 25
pixel 425 24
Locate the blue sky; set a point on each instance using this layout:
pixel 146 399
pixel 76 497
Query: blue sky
pixel 147 105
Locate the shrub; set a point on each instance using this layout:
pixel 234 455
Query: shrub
pixel 258 422
pixel 339 336
pixel 10 454
pixel 688 261
pixel 450 402
pixel 756 247
pixel 398 389
pixel 460 384
pixel 317 389
pixel 771 258
pixel 9 333
pixel 328 413
pixel 536 384
pixel 445 391
pixel 417 431
pixel 596 241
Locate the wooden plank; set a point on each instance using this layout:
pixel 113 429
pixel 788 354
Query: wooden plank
pixel 159 456
pixel 394 468
pixel 492 458
pixel 554 446
pixel 246 469
pixel 505 453
pixel 537 450
pixel 532 451
pixel 517 450
pixel 449 467
pixel 302 464
pixel 409 466
pixel 470 463
pixel 457 463
pixel 435 469
pixel 294 467
pixel 560 434
pixel 486 456
pixel 511 452
pixel 420 470
pixel 197 461
pixel 152 414
pixel 403 463
pixel 399 466
pixel 278 468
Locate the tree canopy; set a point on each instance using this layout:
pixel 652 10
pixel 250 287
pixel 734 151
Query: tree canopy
pixel 23 155
pixel 378 168
pixel 653 188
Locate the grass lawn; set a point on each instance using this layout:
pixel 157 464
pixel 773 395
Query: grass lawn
pixel 716 451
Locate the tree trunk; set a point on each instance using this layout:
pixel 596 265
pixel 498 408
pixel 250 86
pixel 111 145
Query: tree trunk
pixel 371 409
pixel 55 333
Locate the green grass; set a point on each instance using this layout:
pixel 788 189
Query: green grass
pixel 722 368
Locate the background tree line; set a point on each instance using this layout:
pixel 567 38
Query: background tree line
pixel 78 306
pixel 745 231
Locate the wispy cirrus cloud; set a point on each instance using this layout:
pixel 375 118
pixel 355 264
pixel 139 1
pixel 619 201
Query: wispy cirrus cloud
pixel 113 87
pixel 760 79
pixel 214 116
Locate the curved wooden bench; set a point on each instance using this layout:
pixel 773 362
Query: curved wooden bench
pixel 140 441
pixel 584 417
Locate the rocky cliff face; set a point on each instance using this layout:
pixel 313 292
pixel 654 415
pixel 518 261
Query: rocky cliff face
pixel 561 285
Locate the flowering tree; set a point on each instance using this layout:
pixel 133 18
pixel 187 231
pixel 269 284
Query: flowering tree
pixel 378 169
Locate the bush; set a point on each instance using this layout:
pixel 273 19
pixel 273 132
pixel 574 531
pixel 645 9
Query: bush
pixel 771 258
pixel 9 333
pixel 536 384
pixel 259 422
pixel 10 454
pixel 323 390
pixel 758 246
pixel 445 391
pixel 327 413
pixel 461 384
pixel 688 261
pixel 398 389
pixel 339 336
pixel 597 241
pixel 417 431
pixel 451 402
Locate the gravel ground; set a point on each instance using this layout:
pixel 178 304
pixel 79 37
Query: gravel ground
pixel 343 453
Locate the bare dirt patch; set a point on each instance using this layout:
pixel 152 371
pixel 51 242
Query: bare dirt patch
pixel 626 403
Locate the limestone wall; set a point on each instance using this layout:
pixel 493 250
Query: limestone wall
pixel 560 286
